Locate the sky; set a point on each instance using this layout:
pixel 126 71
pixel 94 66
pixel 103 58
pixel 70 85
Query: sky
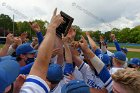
pixel 100 15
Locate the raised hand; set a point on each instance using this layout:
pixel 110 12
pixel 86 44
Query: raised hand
pixel 87 33
pixel 17 41
pixel 56 51
pixel 65 39
pixel 83 43
pixel 56 20
pixel 75 44
pixel 74 52
pixel 35 27
pixel 71 33
pixel 113 36
pixel 23 36
pixel 9 39
pixel 18 83
pixel 101 38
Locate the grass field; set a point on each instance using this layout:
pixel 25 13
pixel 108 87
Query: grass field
pixel 129 55
pixel 136 47
pixel 132 54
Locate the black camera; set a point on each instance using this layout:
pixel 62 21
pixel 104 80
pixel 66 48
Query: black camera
pixel 64 27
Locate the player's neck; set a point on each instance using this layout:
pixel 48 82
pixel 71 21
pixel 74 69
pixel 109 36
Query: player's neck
pixel 53 86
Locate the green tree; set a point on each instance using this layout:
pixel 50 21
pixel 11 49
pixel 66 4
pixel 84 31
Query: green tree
pixel 6 23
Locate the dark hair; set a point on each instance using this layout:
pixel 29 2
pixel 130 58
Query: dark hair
pixel 54 82
pixel 13 54
pixel 18 58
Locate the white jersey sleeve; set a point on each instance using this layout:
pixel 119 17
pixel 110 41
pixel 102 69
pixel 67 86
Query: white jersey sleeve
pixel 10 50
pixel 103 72
pixel 34 84
pixel 110 53
pixel 77 74
pixel 89 76
pixel 114 69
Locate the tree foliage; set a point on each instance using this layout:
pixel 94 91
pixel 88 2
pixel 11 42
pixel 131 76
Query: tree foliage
pixel 125 35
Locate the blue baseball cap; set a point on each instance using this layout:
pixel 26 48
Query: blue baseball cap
pixel 135 61
pixel 9 70
pixel 7 58
pixel 26 69
pixel 124 49
pixel 75 86
pixel 120 55
pixel 25 48
pixel 55 73
pixel 105 58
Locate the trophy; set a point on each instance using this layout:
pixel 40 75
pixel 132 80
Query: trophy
pixel 65 26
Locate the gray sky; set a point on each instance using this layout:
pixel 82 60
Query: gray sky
pixel 88 14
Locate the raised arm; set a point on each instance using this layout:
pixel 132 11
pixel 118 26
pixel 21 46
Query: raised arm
pixel 75 57
pixel 40 66
pixel 68 56
pixel 35 27
pixel 118 48
pixel 9 41
pixel 60 56
pixel 103 45
pixel 91 41
pixel 12 48
pixel 98 64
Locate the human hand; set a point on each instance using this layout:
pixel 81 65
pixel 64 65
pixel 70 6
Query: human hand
pixel 83 43
pixel 56 20
pixel 70 77
pixel 19 81
pixel 35 27
pixel 113 36
pixel 101 38
pixel 74 52
pixel 56 51
pixel 9 39
pixel 75 44
pixel 23 36
pixel 17 41
pixel 87 33
pixel 65 39
pixel 71 33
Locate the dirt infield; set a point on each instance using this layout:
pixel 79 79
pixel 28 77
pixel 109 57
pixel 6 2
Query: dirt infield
pixel 129 49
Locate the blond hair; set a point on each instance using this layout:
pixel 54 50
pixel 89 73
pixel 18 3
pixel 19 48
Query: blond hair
pixel 128 78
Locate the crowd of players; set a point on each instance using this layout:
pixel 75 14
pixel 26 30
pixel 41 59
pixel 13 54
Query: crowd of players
pixel 50 64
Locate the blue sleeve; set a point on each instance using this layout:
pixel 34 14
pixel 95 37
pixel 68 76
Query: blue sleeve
pixel 98 52
pixel 40 37
pixel 118 48
pixel 26 69
pixel 68 68
pixel 104 74
pixel 105 77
